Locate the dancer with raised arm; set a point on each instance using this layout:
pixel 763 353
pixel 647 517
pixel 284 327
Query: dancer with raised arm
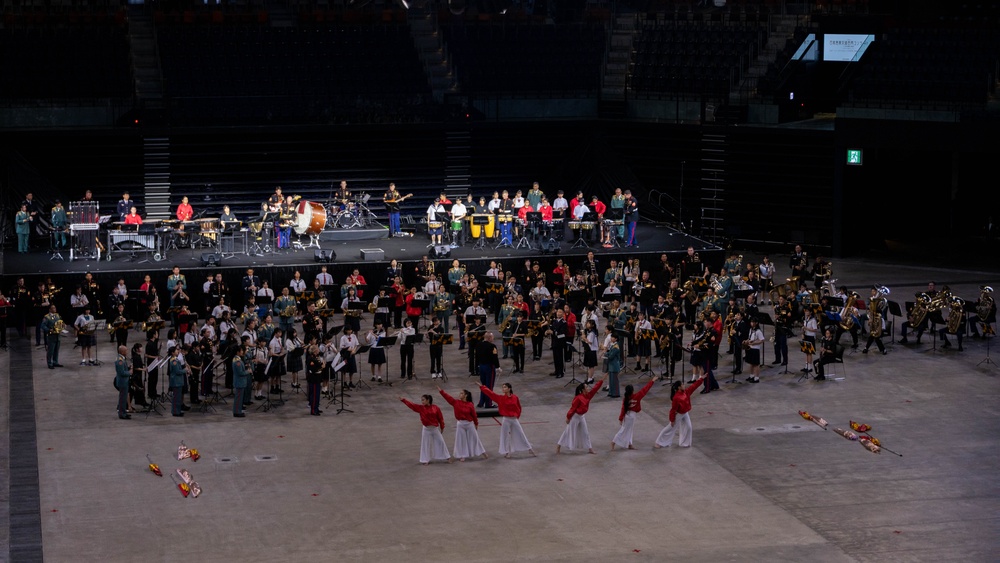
pixel 432 446
pixel 576 435
pixel 631 407
pixel 467 442
pixel 680 406
pixel 512 438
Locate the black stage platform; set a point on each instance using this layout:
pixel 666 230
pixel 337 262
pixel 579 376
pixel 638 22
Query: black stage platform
pixel 653 241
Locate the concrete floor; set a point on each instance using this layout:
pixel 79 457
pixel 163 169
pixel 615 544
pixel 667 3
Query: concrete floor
pixel 759 484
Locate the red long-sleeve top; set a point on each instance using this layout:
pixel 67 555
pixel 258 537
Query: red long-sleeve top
pixel 681 402
pixel 581 403
pixel 411 310
pixel 464 410
pixel 635 405
pixel 508 406
pixel 430 415
pixel 546 212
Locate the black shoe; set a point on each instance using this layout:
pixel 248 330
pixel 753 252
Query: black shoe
pixel 704 391
pixel 820 378
pixel 947 344
pixel 560 376
pixel 755 380
pixel 185 408
pixel 865 351
pixel 57 365
pixel 239 415
pixel 960 349
pixel 125 416
pixel 182 414
pixel 314 413
pixel 749 379
pixel 903 341
pixel 296 386
pixel 775 362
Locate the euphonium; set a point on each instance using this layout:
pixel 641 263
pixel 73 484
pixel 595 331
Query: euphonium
pixel 920 309
pixel 985 305
pixel 957 309
pixel 288 311
pixel 58 327
pixel 715 283
pixel 848 313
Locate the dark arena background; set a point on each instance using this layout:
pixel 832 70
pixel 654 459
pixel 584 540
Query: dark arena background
pixel 864 131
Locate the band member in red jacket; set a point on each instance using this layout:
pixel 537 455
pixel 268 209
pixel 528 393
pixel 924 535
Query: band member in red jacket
pixel 467 442
pixel 432 446
pixel 512 438
pixel 576 435
pixel 631 406
pixel 680 406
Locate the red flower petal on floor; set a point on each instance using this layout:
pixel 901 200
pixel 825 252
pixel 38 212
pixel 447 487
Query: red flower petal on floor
pixel 791 465
pixel 636 550
pixel 897 532
pixel 315 494
pixel 281 436
pixel 55 510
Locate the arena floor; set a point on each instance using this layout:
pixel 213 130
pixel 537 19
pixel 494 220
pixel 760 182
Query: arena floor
pixel 759 484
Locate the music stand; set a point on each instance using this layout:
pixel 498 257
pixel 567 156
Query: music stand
pixel 443 339
pixel 481 221
pixel 934 318
pixel 410 341
pixel 361 380
pixel 623 336
pixel 895 311
pixel 424 305
pixel 338 366
pixel 385 343
pixel 569 346
pixel 766 320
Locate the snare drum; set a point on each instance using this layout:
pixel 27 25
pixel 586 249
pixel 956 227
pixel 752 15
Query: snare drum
pixel 311 218
pixel 456 225
pixel 435 227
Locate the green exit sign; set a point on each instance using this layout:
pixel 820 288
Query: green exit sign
pixel 854 157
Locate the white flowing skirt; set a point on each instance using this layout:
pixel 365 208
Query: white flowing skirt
pixel 432 446
pixel 512 438
pixel 576 436
pixel 682 423
pixel 624 436
pixel 467 443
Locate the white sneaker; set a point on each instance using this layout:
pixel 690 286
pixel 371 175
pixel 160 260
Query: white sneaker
pixel 83 362
pixel 434 376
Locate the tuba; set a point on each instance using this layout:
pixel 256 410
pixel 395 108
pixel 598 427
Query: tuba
pixel 875 308
pixel 956 307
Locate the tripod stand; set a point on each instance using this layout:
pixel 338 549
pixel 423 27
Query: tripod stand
pixel 572 368
pixel 158 401
pixel 987 360
pixel 386 343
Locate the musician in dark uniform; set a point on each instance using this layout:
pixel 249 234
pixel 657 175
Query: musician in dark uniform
pixel 828 353
pixel 124 206
pixel 782 327
pixel 286 219
pixel 741 331
pixel 488 363
pixel 922 326
pixel 314 378
pixel 798 263
pixel 391 199
pixel 241 381
pixel 122 375
pixel 559 332
pixel 176 374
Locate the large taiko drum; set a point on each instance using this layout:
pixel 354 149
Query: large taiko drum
pixel 311 218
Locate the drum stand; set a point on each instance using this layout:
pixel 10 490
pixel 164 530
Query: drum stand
pixel 54 248
pixel 504 243
pixel 580 242
pixel 480 240
pixel 523 241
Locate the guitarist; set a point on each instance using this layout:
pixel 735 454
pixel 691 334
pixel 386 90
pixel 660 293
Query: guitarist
pixel 392 199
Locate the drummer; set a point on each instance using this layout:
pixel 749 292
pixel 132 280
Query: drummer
pixel 458 212
pixel 522 215
pixel 286 217
pixel 184 210
pixel 471 207
pixel 343 195
pixel 436 214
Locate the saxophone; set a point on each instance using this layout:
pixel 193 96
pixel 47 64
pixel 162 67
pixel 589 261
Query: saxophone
pixel 957 309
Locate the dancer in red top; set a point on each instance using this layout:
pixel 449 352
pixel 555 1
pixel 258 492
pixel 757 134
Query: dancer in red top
pixel 512 438
pixel 467 442
pixel 576 435
pixel 432 444
pixel 631 406
pixel 680 406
